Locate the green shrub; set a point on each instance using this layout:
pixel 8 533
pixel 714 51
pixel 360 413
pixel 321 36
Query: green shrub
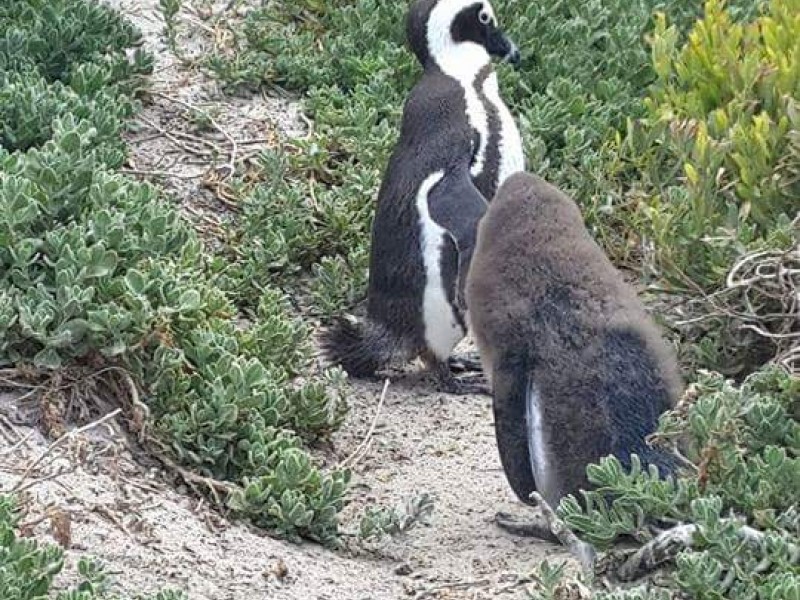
pixel 28 568
pixel 30 107
pixel 718 166
pixel 57 37
pixel 73 250
pixel 744 445
pixel 294 498
pixel 98 275
pixel 291 226
pixel 64 58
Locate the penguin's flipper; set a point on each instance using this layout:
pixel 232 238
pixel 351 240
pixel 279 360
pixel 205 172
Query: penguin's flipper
pixel 510 391
pixel 457 206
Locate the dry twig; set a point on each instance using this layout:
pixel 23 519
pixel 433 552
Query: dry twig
pixel 22 441
pixel 175 138
pixel 458 585
pixel 215 486
pixel 362 448
pixel 585 553
pixel 67 436
pixel 666 546
pixel 50 477
pixel 761 301
pixel 230 166
pixel 166 174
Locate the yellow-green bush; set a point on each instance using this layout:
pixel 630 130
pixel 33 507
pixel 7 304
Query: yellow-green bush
pixel 716 152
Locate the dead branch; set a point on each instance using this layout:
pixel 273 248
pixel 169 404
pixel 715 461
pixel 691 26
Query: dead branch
pixel 362 448
pixel 230 166
pixel 67 436
pixel 34 482
pixel 183 144
pixel 760 301
pixel 584 552
pixel 22 441
pixel 215 486
pixel 459 585
pixel 140 411
pixel 667 545
pixel 165 174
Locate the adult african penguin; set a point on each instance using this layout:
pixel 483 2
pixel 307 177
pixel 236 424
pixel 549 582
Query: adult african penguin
pixel 457 37
pixel 578 368
pixel 455 144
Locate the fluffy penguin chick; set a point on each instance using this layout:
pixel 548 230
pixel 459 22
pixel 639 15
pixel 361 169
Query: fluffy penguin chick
pixel 428 205
pixel 578 368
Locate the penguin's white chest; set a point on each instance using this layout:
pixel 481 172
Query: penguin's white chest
pixel 463 64
pixel 478 119
pixel 511 154
pixel 442 329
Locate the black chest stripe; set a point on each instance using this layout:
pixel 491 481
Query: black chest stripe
pixel 486 181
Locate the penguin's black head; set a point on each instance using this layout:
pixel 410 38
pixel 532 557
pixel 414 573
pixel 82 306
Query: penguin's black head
pixel 435 27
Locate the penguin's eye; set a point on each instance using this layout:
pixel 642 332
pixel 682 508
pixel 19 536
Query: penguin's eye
pixel 484 17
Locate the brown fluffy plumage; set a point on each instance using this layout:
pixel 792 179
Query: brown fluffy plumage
pixel 579 370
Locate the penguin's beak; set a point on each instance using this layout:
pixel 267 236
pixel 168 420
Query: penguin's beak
pixel 501 46
pixel 514 56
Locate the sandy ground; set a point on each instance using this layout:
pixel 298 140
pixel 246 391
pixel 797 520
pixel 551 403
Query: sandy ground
pixel 150 532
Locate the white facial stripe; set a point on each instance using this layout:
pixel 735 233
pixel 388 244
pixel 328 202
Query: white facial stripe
pixel 440 40
pixel 461 61
pixel 488 8
pixel 442 330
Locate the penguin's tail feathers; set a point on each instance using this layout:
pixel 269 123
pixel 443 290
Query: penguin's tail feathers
pixel 359 347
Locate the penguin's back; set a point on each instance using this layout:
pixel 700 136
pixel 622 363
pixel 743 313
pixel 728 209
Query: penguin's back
pixel 595 367
pixel 434 137
pixel 536 269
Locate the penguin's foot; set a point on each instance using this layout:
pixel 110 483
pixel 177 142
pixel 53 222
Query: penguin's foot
pixel 548 526
pixel 448 383
pixel 461 386
pixel 458 387
pixel 470 363
pixel 536 527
